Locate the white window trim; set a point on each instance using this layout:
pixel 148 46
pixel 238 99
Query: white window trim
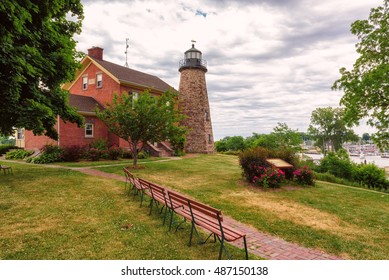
pixel 97 80
pixel 92 128
pixel 84 85
pixel 20 131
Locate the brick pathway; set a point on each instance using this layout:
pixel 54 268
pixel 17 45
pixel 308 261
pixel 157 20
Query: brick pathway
pixel 258 243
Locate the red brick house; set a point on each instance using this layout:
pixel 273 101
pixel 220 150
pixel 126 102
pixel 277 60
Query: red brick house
pixel 95 85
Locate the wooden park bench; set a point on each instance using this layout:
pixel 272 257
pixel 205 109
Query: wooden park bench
pixel 6 169
pixel 206 217
pixel 199 214
pixel 158 196
pixel 134 185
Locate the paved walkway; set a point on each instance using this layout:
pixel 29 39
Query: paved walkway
pixel 258 243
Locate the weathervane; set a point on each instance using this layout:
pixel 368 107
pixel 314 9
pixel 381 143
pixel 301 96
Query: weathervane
pixel 126 52
pixel 193 42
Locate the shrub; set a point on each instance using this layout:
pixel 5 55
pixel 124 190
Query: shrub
pixel 304 176
pixel 18 154
pixel 44 158
pixel 50 153
pixel 143 155
pixel 268 177
pixel 99 144
pixel 371 176
pixel 5 148
pixel 73 153
pixel 127 154
pixel 250 159
pixel 337 165
pixel 114 152
pixel 93 154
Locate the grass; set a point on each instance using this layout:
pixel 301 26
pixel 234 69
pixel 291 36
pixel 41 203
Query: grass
pixel 349 222
pixel 49 213
pixel 122 162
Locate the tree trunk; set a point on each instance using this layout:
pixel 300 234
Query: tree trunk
pixel 134 150
pixel 135 153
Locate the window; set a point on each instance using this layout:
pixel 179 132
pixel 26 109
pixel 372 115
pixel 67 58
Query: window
pixel 209 139
pixel 84 83
pixel 99 79
pixel 89 129
pixel 20 134
pixel 206 116
pixel 135 96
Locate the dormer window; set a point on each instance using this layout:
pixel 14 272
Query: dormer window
pixel 99 80
pixel 85 83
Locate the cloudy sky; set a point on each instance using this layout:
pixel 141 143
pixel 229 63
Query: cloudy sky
pixel 269 61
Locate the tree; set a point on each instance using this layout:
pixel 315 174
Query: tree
pixel 37 56
pixel 287 137
pixel 366 86
pixel 145 119
pixel 366 137
pixel 329 128
pixel 280 138
pixel 230 143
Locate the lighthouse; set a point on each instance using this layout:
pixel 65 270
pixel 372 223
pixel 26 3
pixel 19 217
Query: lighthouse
pixel 194 104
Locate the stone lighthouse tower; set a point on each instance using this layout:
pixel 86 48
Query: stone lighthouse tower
pixel 193 103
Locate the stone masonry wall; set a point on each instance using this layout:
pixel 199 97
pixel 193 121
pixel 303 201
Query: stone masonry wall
pixel 193 102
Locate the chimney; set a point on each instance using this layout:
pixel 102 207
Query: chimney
pixel 96 52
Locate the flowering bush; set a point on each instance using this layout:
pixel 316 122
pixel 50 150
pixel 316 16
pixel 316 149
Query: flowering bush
pixel 114 152
pixel 304 176
pixel 93 154
pixel 73 153
pixel 268 177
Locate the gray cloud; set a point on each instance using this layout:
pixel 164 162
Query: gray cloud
pixel 269 61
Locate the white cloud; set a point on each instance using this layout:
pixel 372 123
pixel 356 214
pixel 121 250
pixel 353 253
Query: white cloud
pixel 268 61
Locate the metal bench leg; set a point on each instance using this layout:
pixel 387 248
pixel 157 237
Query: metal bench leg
pixel 200 241
pixel 221 248
pixel 245 247
pixel 141 198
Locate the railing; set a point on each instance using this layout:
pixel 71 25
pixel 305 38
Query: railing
pixel 193 62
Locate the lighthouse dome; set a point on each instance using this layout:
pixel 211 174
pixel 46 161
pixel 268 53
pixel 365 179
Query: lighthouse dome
pixel 193 53
pixel 193 60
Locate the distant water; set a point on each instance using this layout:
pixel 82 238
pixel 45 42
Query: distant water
pixel 377 160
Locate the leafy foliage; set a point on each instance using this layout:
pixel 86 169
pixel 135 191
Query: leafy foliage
pixel 50 153
pixel 230 143
pixel 329 128
pixel 18 154
pixel 366 87
pixel 5 148
pixel 268 177
pixel 145 119
pixel 337 164
pixel 304 176
pixel 280 138
pixel 371 176
pixel 37 55
pixel 252 161
pixel 73 153
pixel 6 140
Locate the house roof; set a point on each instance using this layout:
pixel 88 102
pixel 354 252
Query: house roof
pixel 128 75
pixel 84 103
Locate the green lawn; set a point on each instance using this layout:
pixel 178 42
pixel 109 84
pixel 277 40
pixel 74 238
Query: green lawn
pixel 49 213
pixel 349 222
